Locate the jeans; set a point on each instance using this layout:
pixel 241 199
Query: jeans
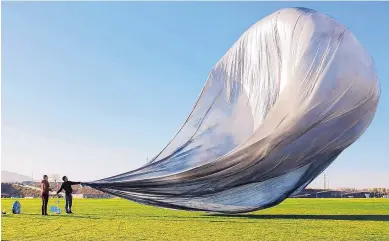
pixel 45 200
pixel 69 200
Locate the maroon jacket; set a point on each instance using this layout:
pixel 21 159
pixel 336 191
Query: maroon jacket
pixel 45 187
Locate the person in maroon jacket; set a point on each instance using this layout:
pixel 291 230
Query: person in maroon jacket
pixel 45 189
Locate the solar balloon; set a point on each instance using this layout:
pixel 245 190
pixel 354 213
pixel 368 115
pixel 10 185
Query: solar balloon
pixel 294 91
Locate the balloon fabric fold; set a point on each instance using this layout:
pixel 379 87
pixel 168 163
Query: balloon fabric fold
pixel 294 91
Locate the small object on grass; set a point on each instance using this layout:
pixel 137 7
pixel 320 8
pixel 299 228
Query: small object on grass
pixel 56 209
pixel 16 207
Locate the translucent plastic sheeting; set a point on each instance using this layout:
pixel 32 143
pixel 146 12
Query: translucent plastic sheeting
pixel 291 94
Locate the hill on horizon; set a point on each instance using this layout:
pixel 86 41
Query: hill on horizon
pixel 7 177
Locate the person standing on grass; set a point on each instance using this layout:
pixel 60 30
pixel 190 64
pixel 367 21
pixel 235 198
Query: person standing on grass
pixel 67 186
pixel 45 189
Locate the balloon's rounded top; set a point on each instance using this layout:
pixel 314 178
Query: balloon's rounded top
pixel 287 98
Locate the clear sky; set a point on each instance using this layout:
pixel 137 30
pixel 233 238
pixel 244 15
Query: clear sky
pixel 92 89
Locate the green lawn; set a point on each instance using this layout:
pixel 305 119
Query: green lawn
pixel 117 219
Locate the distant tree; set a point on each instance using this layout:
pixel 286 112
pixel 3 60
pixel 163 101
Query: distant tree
pixel 55 177
pixel 349 190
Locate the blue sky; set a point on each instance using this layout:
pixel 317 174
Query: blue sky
pixel 91 89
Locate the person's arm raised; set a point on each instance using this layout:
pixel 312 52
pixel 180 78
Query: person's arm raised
pixel 74 183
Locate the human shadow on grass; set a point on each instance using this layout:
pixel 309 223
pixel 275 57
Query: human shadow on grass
pixel 61 216
pixel 206 218
pixel 309 217
pixel 253 217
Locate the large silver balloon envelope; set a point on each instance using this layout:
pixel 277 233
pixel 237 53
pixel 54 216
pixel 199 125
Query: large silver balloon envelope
pixel 291 94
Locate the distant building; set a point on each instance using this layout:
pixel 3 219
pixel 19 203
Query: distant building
pixel 78 195
pixel 319 193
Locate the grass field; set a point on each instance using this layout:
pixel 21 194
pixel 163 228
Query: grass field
pixel 117 219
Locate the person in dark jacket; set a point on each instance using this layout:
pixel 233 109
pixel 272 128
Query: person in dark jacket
pixel 45 189
pixel 67 186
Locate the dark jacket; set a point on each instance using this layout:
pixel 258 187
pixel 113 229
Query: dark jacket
pixel 67 186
